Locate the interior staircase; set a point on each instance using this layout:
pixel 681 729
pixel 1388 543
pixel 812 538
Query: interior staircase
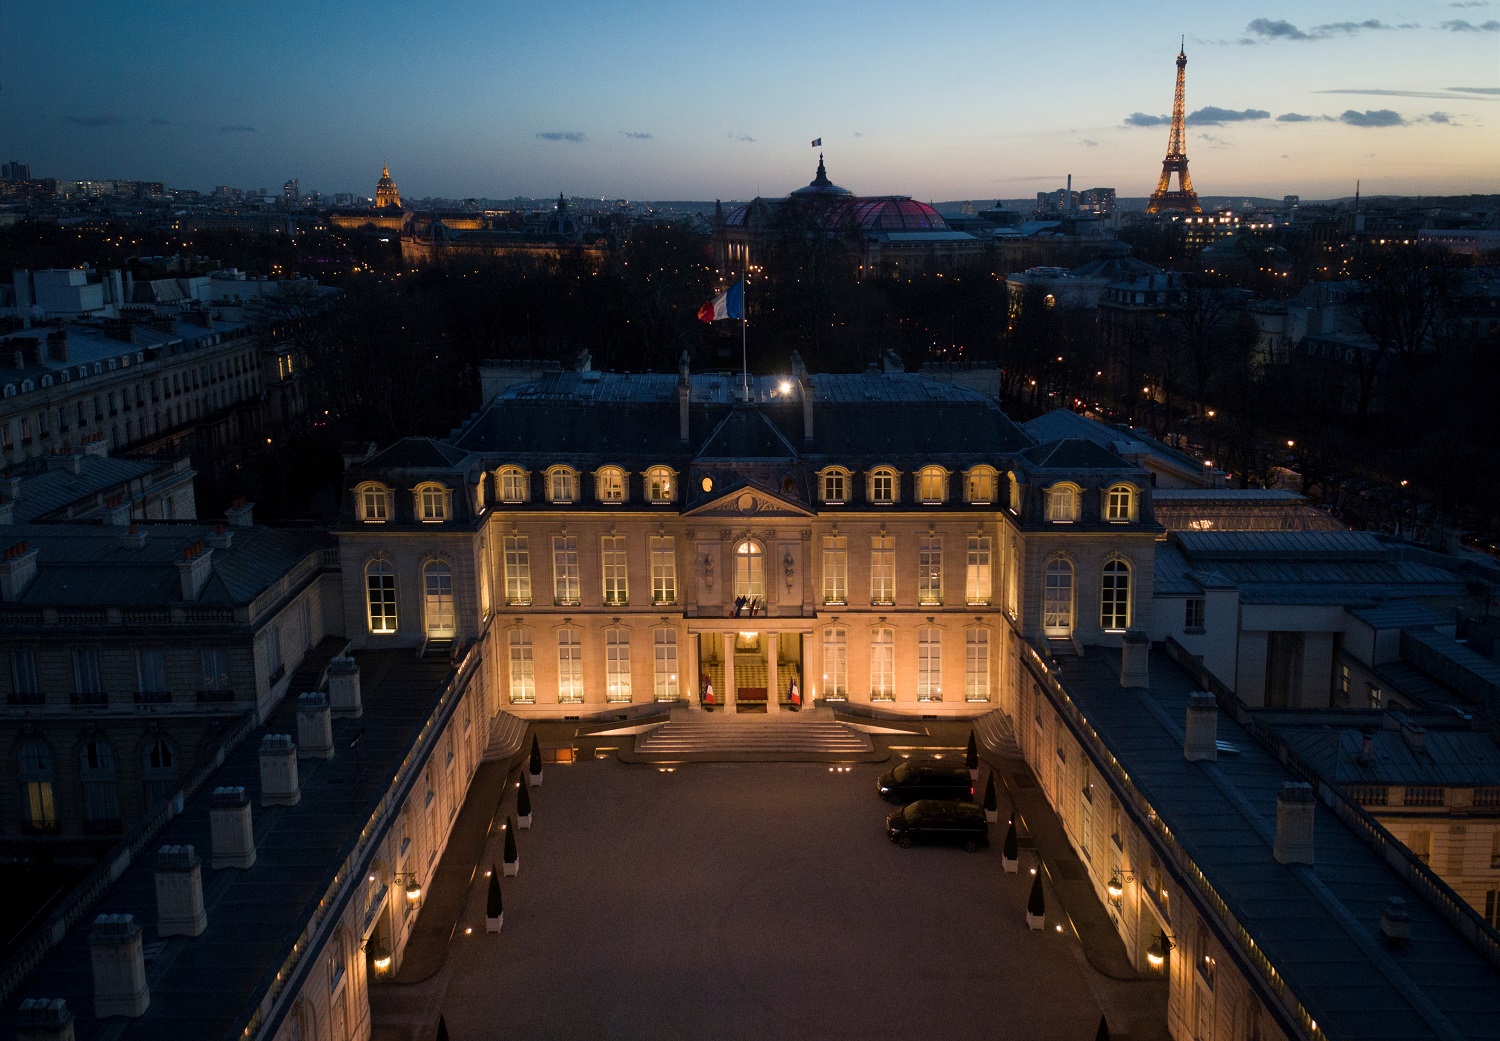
pixel 761 741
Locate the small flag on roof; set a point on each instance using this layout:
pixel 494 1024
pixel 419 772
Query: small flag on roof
pixel 728 304
pixel 817 142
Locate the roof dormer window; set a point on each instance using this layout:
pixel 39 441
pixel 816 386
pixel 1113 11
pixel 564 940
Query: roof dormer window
pixel 432 503
pixel 609 484
pixel 882 490
pixel 562 484
pixel 374 503
pixel 1062 503
pixel 932 484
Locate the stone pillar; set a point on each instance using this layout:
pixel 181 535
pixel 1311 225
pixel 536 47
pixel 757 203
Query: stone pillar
pixel 773 702
pixel 179 892
pixel 696 672
pixel 44 1019
pixel 729 691
pixel 279 785
pixel 119 967
pixel 230 827
pixel 314 726
pixel 344 697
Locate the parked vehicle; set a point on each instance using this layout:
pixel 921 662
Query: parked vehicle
pixel 939 820
pixel 926 779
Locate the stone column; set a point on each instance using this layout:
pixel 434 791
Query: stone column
pixel 694 675
pixel 773 702
pixel 729 691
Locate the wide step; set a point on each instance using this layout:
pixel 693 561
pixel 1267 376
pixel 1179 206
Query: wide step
pixel 997 734
pixel 752 742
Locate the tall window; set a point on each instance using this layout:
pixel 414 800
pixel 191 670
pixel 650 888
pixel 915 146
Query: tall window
pixel 1114 595
pixel 977 665
pixel 932 484
pixel 562 484
pixel 749 570
pixel 37 776
pixel 835 487
pixel 86 672
pixel 883 486
pixel 979 485
pixel 882 665
pixel 664 653
pixel 659 484
pixel 978 583
pixel 380 596
pixel 522 668
pixel 374 504
pixel 663 570
pixel 1192 620
pixel 151 670
pixel 159 771
pixel 613 570
pixel 1057 598
pixel 1119 504
pixel 1062 503
pixel 437 579
pixel 929 665
pixel 101 797
pixel 835 663
pixel 432 503
pixel 565 589
pixel 835 569
pixel 569 666
pixel 930 571
pixel 883 569
pixel 512 484
pixel 214 666
pixel 517 552
pixel 609 484
pixel 617 665
pixel 23 675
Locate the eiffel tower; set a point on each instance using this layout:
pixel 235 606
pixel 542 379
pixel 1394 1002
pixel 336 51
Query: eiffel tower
pixel 1184 199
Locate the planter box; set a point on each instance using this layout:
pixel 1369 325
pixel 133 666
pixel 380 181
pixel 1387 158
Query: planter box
pixel 535 779
pixel 1010 865
pixel 492 925
pixel 511 868
pixel 524 822
pixel 1035 922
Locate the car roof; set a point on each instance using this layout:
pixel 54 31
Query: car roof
pixel 948 806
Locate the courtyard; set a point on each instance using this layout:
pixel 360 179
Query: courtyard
pixel 760 901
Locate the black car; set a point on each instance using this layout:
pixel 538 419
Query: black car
pixel 939 820
pixel 926 779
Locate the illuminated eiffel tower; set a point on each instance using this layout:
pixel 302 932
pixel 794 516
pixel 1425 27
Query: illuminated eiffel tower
pixel 1184 199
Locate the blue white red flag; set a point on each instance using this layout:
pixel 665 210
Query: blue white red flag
pixel 817 142
pixel 728 304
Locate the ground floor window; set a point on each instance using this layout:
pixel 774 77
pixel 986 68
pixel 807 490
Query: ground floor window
pixel 929 665
pixel 522 669
pixel 977 665
pixel 569 666
pixel 664 646
pixel 617 665
pixel 835 663
pixel 883 665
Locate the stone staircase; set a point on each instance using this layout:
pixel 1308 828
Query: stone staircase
pixel 761 741
pixel 507 732
pixel 996 734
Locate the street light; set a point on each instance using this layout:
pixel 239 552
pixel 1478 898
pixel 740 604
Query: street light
pixel 380 954
pixel 1116 884
pixel 1156 954
pixel 413 887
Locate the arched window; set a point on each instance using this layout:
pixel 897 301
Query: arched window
pixel 661 484
pixel 749 570
pixel 609 484
pixel 834 483
pixel 513 484
pixel 932 484
pixel 437 585
pixel 38 776
pixel 883 486
pixel 979 485
pixel 432 503
pixel 1062 503
pixel 562 484
pixel 1057 598
pixel 1119 504
pixel 159 771
pixel 1114 596
pixel 374 503
pixel 380 596
pixel 101 797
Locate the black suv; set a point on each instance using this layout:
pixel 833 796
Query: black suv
pixel 939 820
pixel 926 779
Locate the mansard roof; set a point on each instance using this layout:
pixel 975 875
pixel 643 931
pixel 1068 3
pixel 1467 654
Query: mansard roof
pixel 418 453
pixel 746 433
pixel 1074 453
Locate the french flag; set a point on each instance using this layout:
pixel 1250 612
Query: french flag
pixel 728 304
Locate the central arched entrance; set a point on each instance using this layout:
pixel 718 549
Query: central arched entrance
pixel 751 669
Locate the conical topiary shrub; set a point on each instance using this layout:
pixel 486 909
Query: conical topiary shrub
pixel 1036 903
pixel 971 757
pixel 1102 1034
pixel 494 907
pixel 534 767
pixel 512 857
pixel 991 811
pixel 1009 851
pixel 442 1034
pixel 523 804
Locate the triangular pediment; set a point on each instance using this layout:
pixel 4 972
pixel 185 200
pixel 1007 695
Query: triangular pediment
pixel 749 499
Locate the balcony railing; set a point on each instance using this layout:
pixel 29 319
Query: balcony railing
pixel 26 697
pixel 153 697
pixel 215 697
pixel 92 698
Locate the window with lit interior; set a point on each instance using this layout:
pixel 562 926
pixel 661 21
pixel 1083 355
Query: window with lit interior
pixel 932 484
pixel 380 596
pixel 432 503
pixel 661 484
pixel 835 484
pixel 609 484
pixel 513 484
pixel 749 570
pixel 883 486
pixel 522 668
pixel 1062 503
pixel 1114 596
pixel 979 485
pixel 374 504
pixel 562 484
pixel 1119 504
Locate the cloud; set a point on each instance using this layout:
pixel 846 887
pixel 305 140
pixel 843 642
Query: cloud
pixel 560 135
pixel 1478 92
pixel 1438 117
pixel 1212 116
pixel 858 134
pixel 1471 3
pixel 1275 29
pixel 1376 117
pixel 1088 143
pixel 1264 30
pixel 1213 142
pixel 636 134
pixel 739 137
pixel 94 122
pixel 1475 90
pixel 236 128
pixel 1140 119
pixel 1297 117
pixel 1461 26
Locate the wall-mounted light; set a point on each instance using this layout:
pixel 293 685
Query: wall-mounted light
pixel 1116 884
pixel 380 954
pixel 1156 954
pixel 408 880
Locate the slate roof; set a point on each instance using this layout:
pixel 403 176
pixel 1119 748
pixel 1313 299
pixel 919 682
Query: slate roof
pixel 1461 758
pixel 746 433
pixel 418 453
pixel 1074 453
pixel 45 493
pixel 1064 423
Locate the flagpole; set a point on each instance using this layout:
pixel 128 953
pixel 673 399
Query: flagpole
pixel 744 350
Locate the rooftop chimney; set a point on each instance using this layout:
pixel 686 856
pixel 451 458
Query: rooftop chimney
pixel 134 538
pixel 1294 823
pixel 1414 735
pixel 119 967
pixel 17 570
pixel 344 696
pixel 44 1019
pixel 117 514
pixel 314 726
pixel 279 785
pixel 240 515
pixel 7 513
pixel 194 569
pixel 1395 923
pixel 222 537
pixel 179 892
pixel 57 345
pixel 1134 650
pixel 1202 728
pixel 229 825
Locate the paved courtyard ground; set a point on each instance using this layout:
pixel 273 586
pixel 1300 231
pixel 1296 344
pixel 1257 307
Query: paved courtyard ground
pixel 753 901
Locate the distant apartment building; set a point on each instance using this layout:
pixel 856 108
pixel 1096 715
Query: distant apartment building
pixel 291 191
pixel 15 170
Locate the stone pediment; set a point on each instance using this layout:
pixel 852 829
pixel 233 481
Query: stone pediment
pixel 750 500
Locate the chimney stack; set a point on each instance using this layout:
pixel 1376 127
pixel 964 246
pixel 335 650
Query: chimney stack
pixel 1395 923
pixel 1135 647
pixel 241 514
pixel 57 345
pixel 344 696
pixel 194 570
pixel 119 967
pixel 179 892
pixel 314 726
pixel 17 570
pixel 44 1019
pixel 222 538
pixel 279 784
pixel 1202 741
pixel 1294 823
pixel 230 827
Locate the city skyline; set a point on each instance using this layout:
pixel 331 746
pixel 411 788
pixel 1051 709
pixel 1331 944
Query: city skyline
pixel 660 103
